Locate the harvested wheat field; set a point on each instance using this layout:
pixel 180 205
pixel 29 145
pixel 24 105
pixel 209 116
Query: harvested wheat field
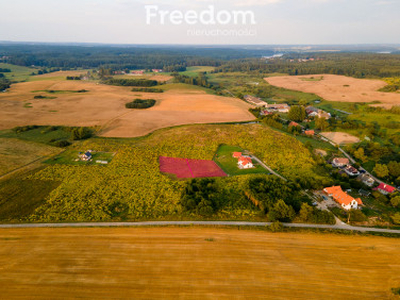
pixel 341 138
pixel 194 263
pixel 339 88
pixel 104 106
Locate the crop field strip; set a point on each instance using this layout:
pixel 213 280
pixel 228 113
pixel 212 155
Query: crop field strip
pixel 53 263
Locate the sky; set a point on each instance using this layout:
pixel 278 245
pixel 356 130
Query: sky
pixel 265 22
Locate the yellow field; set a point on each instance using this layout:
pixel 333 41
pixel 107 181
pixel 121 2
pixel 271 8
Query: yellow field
pixel 194 263
pixel 104 106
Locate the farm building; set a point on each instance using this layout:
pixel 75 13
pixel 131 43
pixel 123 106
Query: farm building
pixel 245 163
pixel 86 156
pixel 342 198
pixel 255 100
pixel 157 70
pixel 282 108
pixel 385 189
pixel 316 112
pixel 139 72
pixel 294 124
pixel 340 162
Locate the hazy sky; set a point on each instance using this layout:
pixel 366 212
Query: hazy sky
pixel 276 21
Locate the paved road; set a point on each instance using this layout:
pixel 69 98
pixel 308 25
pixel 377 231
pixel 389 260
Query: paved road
pixel 188 223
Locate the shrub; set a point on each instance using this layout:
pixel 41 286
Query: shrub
pixel 62 143
pixel 141 104
pixel 276 226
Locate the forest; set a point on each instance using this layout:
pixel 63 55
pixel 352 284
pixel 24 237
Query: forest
pixel 359 65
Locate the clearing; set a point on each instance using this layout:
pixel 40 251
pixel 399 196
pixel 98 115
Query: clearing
pixel 339 88
pixel 194 263
pixel 341 138
pixel 104 105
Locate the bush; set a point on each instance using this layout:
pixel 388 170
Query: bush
pixel 276 226
pixel 141 104
pixel 62 143
pixel 81 133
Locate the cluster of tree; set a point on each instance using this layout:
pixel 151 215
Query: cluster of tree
pixel 359 65
pixel 4 70
pixel 131 82
pixel 73 77
pixel 278 199
pixel 310 214
pixel 297 113
pixel 4 83
pixel 80 133
pixel 141 104
pixel 201 196
pixel 147 90
pixel 200 80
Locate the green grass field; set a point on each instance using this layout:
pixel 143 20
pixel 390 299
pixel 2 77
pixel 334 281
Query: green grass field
pixel 194 71
pixel 185 87
pixel 17 73
pixel 15 153
pixel 224 159
pixel 42 134
pixel 71 157
pixel 20 196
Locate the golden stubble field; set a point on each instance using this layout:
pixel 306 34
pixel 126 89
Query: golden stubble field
pixel 339 88
pixel 194 263
pixel 104 106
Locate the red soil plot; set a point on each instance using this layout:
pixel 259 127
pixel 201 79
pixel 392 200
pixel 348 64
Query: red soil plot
pixel 190 168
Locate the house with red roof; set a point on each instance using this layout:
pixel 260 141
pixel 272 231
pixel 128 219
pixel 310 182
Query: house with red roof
pixel 385 189
pixel 237 154
pixel 309 132
pixel 346 201
pixel 245 163
pixel 293 124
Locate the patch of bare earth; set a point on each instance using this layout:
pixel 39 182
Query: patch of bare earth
pixel 104 106
pixel 341 138
pixel 339 88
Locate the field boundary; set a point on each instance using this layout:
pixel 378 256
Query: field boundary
pixel 197 223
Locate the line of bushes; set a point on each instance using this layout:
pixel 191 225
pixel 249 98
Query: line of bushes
pixel 147 90
pixel 131 82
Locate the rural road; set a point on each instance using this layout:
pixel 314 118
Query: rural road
pixel 189 223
